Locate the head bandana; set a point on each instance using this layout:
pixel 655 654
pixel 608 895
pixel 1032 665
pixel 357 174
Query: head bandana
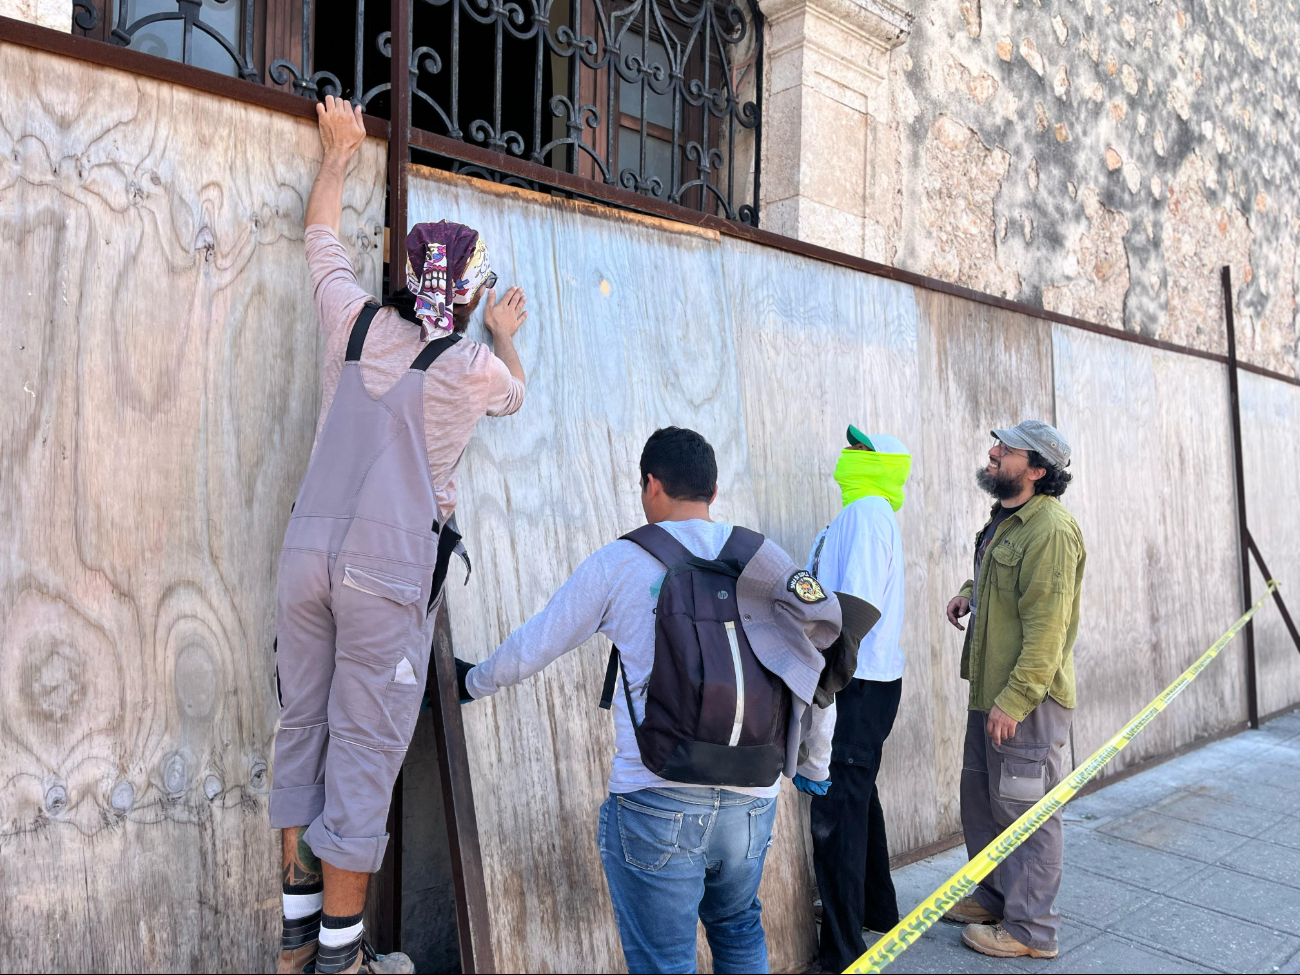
pixel 452 264
pixel 881 472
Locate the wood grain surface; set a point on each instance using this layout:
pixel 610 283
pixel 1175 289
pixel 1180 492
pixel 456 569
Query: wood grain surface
pixel 160 392
pixel 1270 419
pixel 1153 494
pixel 981 368
pixel 620 340
pixel 820 347
pixel 771 356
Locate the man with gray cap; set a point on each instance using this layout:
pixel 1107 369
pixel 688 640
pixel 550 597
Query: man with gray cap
pixel 1024 606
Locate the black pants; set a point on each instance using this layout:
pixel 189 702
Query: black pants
pixel 850 850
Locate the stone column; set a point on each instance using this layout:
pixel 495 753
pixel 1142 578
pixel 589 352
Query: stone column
pixel 825 61
pixel 56 14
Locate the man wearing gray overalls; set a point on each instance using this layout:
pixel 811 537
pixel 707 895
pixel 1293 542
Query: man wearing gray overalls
pixel 366 549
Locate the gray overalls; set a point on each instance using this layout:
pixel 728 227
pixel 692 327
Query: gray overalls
pixel 360 572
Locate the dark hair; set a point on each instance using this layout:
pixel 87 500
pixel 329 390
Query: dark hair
pixel 404 302
pixel 1054 482
pixel 683 462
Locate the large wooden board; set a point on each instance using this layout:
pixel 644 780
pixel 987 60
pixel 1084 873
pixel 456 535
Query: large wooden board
pixel 820 347
pixel 1153 494
pixel 981 368
pixel 1270 436
pixel 160 393
pixel 624 336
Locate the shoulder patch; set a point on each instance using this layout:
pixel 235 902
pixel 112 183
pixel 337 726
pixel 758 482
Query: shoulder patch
pixel 804 585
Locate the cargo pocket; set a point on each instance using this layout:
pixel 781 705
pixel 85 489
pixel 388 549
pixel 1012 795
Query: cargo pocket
pixel 761 819
pixel 649 835
pixel 377 583
pixel 1021 780
pixel 401 697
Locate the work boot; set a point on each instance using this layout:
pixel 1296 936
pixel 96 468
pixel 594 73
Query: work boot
pixel 298 942
pixel 969 910
pixel 993 939
pixel 360 959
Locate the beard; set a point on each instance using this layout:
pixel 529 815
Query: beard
pixel 997 484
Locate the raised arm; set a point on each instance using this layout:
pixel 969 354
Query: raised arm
pixel 341 135
pixel 503 319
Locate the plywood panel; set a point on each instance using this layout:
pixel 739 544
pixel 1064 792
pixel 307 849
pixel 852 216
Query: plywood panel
pixel 1270 419
pixel 160 377
pixel 1153 494
pixel 980 368
pixel 625 334
pixel 839 348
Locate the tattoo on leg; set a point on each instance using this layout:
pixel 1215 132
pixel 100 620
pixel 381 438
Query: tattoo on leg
pixel 304 868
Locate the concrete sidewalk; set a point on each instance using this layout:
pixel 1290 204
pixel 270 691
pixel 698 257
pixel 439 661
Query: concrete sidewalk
pixel 1192 866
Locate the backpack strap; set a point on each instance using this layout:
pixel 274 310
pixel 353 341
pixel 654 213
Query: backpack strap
pixel 357 338
pixel 660 543
pixel 611 678
pixel 670 552
pixel 741 546
pixel 431 352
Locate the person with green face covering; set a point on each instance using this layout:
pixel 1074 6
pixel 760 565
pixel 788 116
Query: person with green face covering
pixel 861 553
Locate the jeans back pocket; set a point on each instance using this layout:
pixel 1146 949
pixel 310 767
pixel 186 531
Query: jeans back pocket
pixel 649 835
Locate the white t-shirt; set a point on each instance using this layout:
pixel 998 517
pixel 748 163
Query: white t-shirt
pixel 614 592
pixel 862 555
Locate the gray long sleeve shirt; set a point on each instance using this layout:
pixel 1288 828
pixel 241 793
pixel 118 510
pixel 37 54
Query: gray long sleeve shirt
pixel 614 592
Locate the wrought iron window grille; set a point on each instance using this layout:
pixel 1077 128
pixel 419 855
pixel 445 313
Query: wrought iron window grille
pixel 662 97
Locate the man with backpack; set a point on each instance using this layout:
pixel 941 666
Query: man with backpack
pixel 718 640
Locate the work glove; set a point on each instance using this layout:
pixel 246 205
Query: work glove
pixel 810 787
pixel 463 667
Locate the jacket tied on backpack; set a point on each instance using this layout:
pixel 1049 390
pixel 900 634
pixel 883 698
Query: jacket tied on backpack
pixel 738 657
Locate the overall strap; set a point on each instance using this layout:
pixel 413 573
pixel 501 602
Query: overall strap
pixel 742 545
pixel 359 329
pixel 431 351
pixel 660 543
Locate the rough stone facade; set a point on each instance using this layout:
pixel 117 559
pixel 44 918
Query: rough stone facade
pixel 1101 160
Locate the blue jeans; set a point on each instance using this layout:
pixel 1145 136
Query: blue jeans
pixel 674 855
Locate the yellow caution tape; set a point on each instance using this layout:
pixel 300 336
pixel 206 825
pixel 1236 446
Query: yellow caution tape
pixel 915 924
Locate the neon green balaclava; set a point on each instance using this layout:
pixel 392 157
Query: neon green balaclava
pixel 864 473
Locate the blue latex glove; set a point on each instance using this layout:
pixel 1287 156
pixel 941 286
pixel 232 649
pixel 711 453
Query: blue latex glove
pixel 810 787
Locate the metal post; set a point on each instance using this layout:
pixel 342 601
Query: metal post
pixel 1243 533
pixel 399 140
pixel 399 155
pixel 1287 621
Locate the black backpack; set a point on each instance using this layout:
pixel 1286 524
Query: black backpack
pixel 714 715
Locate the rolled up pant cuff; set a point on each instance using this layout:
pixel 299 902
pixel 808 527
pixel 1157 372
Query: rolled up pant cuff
pixel 360 854
pixel 296 805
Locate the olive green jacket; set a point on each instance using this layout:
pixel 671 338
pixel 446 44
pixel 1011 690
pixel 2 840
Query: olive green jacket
pixel 1020 641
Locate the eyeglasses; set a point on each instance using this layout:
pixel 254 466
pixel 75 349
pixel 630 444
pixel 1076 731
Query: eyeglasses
pixel 490 281
pixel 1003 450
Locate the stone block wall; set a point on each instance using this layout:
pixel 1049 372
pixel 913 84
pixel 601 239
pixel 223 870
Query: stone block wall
pixel 1096 159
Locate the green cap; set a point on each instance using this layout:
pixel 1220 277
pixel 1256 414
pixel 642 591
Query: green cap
pixel 858 438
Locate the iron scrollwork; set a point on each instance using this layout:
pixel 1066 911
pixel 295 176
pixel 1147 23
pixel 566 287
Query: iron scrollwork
pixel 661 97
pixel 688 57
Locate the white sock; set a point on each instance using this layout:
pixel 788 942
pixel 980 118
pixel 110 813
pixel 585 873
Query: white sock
pixel 338 937
pixel 301 905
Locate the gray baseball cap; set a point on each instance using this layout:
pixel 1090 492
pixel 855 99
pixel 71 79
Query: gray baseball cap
pixel 1039 436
